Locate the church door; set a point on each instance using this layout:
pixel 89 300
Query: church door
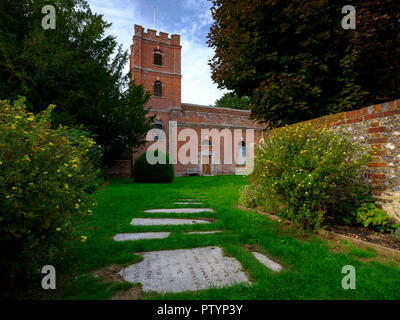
pixel 206 165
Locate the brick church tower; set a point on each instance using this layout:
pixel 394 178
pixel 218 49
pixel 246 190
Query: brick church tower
pixel 155 61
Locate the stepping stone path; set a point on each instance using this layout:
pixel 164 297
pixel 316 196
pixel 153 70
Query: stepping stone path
pixel 180 210
pixel 140 236
pixel 187 202
pixel 203 232
pixel 276 267
pixel 164 221
pixel 184 269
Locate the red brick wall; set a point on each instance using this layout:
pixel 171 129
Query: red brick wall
pixel 207 118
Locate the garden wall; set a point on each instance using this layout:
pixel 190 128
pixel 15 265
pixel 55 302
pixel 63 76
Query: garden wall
pixel 118 169
pixel 376 126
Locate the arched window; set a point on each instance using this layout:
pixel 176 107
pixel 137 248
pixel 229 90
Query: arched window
pixel 157 57
pixel 206 143
pixel 158 88
pixel 242 153
pixel 158 124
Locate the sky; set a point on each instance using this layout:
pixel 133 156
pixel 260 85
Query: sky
pixel 189 18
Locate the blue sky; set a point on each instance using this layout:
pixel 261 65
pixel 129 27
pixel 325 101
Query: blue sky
pixel 189 18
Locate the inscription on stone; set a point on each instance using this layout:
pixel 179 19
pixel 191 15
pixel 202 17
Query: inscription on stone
pixel 164 221
pixel 185 270
pixel 180 210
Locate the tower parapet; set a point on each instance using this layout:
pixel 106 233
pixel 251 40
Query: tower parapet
pixel 155 61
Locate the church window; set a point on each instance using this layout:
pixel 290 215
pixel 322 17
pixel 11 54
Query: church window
pixel 158 88
pixel 158 58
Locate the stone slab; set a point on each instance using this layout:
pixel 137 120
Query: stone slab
pixel 141 236
pixel 276 267
pixel 187 202
pixel 189 199
pixel 185 270
pixel 164 221
pixel 203 232
pixel 180 210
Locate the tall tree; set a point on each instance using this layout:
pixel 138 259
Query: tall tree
pixel 75 66
pixel 296 62
pixel 133 118
pixel 231 100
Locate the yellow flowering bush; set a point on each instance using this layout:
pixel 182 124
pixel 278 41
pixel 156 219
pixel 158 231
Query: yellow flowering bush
pixel 44 175
pixel 305 174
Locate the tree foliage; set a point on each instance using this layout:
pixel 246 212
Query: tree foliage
pixel 295 60
pixel 230 100
pixel 133 118
pixel 75 67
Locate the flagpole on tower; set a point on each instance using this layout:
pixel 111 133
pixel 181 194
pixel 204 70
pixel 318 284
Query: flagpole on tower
pixel 154 19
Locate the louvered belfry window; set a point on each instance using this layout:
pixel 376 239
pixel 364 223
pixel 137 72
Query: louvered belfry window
pixel 158 58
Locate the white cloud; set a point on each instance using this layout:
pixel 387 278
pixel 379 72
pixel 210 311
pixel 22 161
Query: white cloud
pixel 197 86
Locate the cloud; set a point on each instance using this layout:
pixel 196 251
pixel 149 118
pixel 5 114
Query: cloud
pixel 189 18
pixel 197 86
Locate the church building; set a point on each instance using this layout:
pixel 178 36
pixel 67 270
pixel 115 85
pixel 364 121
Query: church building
pixel 155 62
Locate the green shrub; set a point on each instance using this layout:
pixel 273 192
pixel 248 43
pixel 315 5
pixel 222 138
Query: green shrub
pixel 396 234
pixel 303 173
pixel 369 216
pixel 249 196
pixel 153 173
pixel 42 177
pixel 95 153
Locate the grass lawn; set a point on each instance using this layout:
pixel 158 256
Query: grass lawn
pixel 311 269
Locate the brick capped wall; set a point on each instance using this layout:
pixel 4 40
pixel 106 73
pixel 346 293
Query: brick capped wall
pixel 376 126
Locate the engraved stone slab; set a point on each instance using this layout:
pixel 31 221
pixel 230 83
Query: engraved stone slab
pixel 203 232
pixel 164 222
pixel 180 210
pixel 187 202
pixel 276 267
pixel 184 270
pixel 141 236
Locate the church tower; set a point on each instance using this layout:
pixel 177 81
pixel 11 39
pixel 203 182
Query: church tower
pixel 155 61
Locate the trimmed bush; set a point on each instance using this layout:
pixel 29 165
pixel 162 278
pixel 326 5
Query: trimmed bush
pixel 369 216
pixel 43 175
pixel 143 171
pixel 303 173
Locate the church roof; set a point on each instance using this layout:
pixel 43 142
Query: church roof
pixel 211 109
